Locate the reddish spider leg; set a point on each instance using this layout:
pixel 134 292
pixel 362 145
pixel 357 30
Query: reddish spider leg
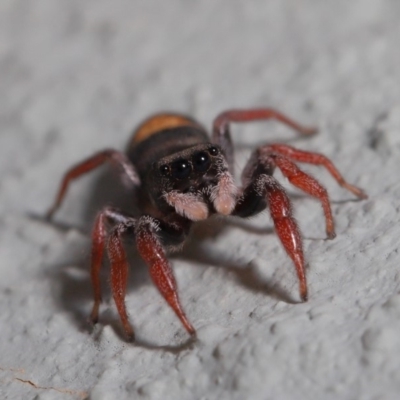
pixel 317 159
pixel 150 250
pixel 262 186
pixel 281 153
pixel 99 235
pixel 279 203
pixel 119 275
pixel 221 132
pixel 286 228
pixel 160 270
pixel 99 231
pixel 115 157
pixel 281 156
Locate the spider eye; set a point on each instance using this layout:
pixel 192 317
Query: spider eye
pixel 181 169
pixel 201 161
pixel 213 151
pixel 164 169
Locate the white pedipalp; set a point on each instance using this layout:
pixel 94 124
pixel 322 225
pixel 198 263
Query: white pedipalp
pixel 188 205
pixel 223 195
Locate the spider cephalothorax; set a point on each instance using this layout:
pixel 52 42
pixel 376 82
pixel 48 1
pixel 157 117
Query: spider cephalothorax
pixel 183 176
pixel 195 182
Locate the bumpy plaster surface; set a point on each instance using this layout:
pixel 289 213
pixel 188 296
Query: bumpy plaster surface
pixel 77 76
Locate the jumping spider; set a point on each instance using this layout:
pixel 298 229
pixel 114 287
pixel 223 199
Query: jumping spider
pixel 181 177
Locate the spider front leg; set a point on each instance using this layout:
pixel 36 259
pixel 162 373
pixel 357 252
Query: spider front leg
pixel 262 190
pixel 114 157
pixel 148 232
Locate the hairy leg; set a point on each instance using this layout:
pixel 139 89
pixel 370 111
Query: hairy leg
pixel 309 185
pixel 114 157
pixel 108 215
pixel 119 274
pixel 316 159
pixel 149 234
pixel 264 189
pixel 152 252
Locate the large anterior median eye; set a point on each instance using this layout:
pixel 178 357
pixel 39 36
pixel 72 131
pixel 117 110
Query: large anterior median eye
pixel 201 161
pixel 180 169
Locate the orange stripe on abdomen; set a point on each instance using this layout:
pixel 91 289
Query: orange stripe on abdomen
pixel 160 122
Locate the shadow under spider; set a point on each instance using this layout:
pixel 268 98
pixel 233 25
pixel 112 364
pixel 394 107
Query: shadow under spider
pixel 74 290
pixel 78 291
pixel 246 274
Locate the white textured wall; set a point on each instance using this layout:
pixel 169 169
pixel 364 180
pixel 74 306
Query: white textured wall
pixel 76 76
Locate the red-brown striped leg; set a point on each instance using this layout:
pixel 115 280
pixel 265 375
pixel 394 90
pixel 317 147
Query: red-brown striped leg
pixel 113 156
pixel 309 185
pixel 153 254
pixel 221 132
pixel 99 235
pixel 119 275
pixel 316 159
pixel 286 227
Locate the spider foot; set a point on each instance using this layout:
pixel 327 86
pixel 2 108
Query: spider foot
pixel 331 235
pixel 356 191
pixel 48 216
pixel 130 337
pixel 308 130
pixel 94 316
pixel 303 291
pixel 128 330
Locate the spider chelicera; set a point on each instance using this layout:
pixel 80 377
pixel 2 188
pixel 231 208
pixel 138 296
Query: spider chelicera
pixel 183 176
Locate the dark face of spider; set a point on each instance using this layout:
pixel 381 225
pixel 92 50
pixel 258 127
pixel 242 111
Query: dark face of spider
pixel 195 181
